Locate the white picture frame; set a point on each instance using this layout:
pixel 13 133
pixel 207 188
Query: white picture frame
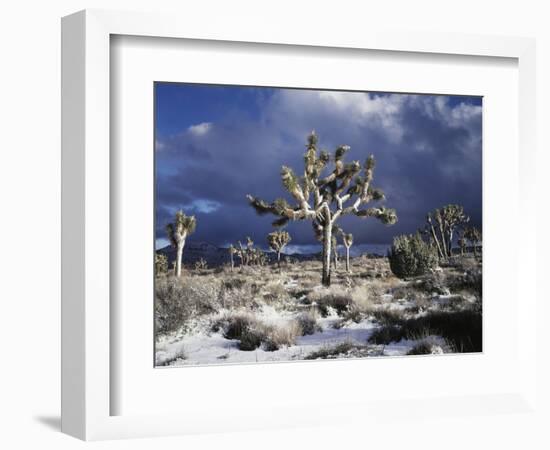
pixel 87 385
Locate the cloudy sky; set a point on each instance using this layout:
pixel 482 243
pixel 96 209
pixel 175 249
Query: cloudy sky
pixel 215 144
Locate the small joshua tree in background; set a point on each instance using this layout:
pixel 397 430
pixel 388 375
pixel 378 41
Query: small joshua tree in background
pixel 347 238
pixel 277 241
pixel 201 264
pixel 462 244
pixel 244 252
pixel 473 235
pixel 441 225
pixel 232 251
pixel 324 200
pixel 161 264
pixel 177 232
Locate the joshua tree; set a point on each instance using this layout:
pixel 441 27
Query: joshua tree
pixel 277 241
pixel 232 251
pixel 177 232
pixel 462 244
pixel 442 226
pixel 347 238
pixel 244 252
pixel 201 264
pixel 473 235
pixel 324 200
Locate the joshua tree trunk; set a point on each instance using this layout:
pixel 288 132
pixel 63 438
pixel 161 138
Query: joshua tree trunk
pixel 335 257
pixel 327 243
pixel 279 258
pixel 436 240
pixel 347 260
pixel 450 242
pixel 443 240
pixel 179 257
pixel 232 262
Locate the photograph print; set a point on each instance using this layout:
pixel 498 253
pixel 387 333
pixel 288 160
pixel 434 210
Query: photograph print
pixel 303 224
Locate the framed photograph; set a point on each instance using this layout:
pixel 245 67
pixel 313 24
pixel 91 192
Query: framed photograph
pixel 255 220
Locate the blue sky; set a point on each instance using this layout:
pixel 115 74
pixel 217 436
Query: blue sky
pixel 215 144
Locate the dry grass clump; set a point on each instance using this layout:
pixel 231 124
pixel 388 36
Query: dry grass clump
pixel 330 352
pixel 346 349
pixel 408 292
pixel 329 300
pixel 166 359
pixel 281 335
pixel 275 291
pixel 178 302
pixel 429 346
pixel 253 333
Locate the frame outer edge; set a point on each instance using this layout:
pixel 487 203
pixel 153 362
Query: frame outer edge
pixel 73 82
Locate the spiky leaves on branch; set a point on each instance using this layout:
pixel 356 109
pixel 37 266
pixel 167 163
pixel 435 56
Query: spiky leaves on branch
pixel 324 196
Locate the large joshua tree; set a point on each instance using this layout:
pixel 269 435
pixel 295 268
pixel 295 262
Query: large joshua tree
pixel 277 241
pixel 345 190
pixel 177 232
pixel 441 225
pixel 347 238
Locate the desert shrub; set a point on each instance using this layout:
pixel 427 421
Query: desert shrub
pixel 463 263
pixel 282 335
pixel 405 292
pixel 239 293
pixel 429 346
pixel 388 316
pixel 434 283
pixel 234 283
pixel 252 338
pixel 386 334
pixel 161 264
pixel 275 292
pixel 411 256
pixel 365 296
pixel 462 330
pixel 308 323
pixel 177 302
pixel 234 325
pixel 331 351
pixel 331 299
pixel 471 280
pixel 166 359
pixel 253 333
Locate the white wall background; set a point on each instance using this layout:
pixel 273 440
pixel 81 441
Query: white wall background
pixel 30 198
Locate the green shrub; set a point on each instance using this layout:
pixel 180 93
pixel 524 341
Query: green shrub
pixel 411 256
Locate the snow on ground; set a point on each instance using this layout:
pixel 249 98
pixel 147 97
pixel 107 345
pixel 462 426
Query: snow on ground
pixel 204 347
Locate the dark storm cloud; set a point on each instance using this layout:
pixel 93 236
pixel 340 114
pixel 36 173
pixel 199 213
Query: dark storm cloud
pixel 427 148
